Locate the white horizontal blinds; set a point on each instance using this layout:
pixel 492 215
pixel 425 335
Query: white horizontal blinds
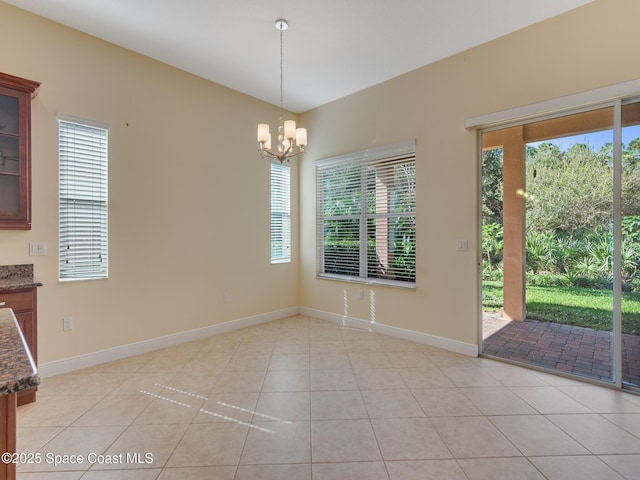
pixel 366 219
pixel 82 201
pixel 339 189
pixel 391 219
pixel 280 213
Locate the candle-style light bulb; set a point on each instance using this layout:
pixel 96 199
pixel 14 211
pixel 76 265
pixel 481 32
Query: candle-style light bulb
pixel 301 137
pixel 263 132
pixel 290 129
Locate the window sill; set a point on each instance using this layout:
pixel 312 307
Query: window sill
pixel 81 279
pixel 368 281
pixel 277 262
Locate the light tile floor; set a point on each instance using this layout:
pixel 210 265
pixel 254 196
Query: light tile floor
pixel 302 399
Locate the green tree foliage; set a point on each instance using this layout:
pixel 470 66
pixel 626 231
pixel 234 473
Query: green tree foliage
pixel 631 178
pixel 631 156
pixel 572 190
pixel 492 186
pixel 569 202
pixel 568 191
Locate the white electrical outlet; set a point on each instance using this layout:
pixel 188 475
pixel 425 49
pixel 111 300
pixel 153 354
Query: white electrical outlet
pixel 226 297
pixel 67 324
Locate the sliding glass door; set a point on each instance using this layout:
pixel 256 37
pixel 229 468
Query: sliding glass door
pixel 568 200
pixel 561 243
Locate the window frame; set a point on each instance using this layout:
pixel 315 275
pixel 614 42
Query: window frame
pixel 280 226
pixel 92 194
pixel 402 153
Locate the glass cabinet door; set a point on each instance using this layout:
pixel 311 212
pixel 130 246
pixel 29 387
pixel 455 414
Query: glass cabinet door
pixel 15 161
pixel 9 156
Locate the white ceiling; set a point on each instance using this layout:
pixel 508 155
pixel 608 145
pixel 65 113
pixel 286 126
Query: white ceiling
pixel 332 48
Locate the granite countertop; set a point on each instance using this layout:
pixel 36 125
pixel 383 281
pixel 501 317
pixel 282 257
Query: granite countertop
pixel 17 368
pixel 17 277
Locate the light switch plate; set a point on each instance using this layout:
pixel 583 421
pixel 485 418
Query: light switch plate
pixel 462 245
pixel 67 324
pixel 37 248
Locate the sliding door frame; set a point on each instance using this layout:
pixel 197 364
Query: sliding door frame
pixel 626 93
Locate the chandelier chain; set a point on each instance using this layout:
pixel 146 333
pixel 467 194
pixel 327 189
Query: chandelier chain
pixel 281 76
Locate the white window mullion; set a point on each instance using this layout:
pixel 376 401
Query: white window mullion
pixel 363 222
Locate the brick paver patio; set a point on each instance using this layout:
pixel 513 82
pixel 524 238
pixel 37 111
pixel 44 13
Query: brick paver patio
pixel 581 351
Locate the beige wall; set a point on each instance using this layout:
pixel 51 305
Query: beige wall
pixel 182 158
pixel 590 47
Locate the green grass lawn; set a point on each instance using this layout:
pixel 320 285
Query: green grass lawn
pixel 582 307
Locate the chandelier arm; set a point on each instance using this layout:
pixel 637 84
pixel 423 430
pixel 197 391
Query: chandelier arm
pixel 291 155
pixel 270 156
pixel 267 153
pixel 280 157
pixel 288 150
pixel 299 152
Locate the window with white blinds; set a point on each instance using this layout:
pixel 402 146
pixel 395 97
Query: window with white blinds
pixel 82 156
pixel 366 216
pixel 280 213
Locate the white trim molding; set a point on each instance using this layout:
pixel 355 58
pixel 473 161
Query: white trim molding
pixel 67 365
pixel 449 344
pixel 556 105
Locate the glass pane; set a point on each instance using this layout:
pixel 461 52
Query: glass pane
pixel 492 239
pixel 280 213
pixel 342 191
pixel 391 187
pixel 9 194
pixel 630 261
pixel 9 154
pixel 8 115
pixel 342 247
pixel 561 218
pixel 391 248
pixel 82 201
pixel 569 251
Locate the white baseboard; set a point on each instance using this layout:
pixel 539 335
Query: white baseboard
pixel 117 353
pixel 469 349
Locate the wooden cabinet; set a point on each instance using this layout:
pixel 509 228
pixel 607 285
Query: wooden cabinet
pixel 15 151
pixel 8 426
pixel 24 306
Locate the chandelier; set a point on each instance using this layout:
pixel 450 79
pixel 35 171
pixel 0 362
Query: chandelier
pixel 291 140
